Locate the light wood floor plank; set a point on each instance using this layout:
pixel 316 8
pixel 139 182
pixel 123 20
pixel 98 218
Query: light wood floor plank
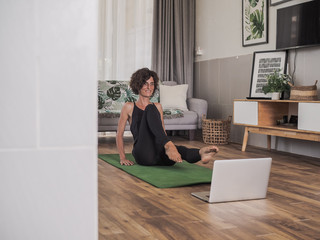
pixel 132 209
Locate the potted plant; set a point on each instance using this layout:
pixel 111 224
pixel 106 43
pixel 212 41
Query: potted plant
pixel 277 83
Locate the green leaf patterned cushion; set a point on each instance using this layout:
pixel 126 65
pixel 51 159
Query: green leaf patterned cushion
pixel 172 113
pixel 112 95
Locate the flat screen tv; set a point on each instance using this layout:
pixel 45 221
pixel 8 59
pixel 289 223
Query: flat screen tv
pixel 298 25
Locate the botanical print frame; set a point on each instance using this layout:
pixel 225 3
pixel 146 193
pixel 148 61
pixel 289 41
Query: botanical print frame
pixel 264 63
pixel 276 2
pixel 254 22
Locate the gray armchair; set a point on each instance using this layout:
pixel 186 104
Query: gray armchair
pixel 191 120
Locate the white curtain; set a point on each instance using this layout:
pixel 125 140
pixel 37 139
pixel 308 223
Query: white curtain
pixel 125 37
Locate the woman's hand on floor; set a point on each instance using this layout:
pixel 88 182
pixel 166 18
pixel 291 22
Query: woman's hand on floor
pixel 126 162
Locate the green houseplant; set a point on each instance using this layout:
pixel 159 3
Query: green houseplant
pixel 277 83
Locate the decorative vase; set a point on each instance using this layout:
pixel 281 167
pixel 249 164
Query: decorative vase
pixel 275 96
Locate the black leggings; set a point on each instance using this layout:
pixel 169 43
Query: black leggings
pixel 149 149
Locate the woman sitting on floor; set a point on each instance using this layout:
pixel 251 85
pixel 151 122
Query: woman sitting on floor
pixel 151 143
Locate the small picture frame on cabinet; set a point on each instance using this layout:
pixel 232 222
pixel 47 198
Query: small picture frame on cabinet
pixel 263 64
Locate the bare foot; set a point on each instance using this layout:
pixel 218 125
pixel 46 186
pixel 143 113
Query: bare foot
pixel 207 153
pixel 172 152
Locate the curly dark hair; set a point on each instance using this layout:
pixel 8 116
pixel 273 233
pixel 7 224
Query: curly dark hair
pixel 139 78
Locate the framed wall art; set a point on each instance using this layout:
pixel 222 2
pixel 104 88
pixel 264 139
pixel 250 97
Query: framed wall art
pixel 254 22
pixel 276 2
pixel 263 64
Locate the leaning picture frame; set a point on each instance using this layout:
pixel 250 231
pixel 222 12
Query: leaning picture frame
pixel 254 22
pixel 264 63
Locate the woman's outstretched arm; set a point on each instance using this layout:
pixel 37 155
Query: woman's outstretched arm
pixel 124 117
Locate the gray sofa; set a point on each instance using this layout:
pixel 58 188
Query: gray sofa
pixel 190 121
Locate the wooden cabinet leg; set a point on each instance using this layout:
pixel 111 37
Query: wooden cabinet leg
pixel 269 142
pixel 245 139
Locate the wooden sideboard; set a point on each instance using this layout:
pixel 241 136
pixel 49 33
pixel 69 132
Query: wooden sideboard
pixel 263 117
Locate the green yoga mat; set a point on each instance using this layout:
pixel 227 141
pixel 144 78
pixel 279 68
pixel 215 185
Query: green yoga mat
pixel 178 175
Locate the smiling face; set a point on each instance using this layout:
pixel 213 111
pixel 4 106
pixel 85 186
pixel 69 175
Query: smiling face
pixel 147 88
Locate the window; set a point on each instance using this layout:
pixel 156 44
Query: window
pixel 125 37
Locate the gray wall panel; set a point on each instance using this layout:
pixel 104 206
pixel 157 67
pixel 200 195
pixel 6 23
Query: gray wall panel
pixel 220 81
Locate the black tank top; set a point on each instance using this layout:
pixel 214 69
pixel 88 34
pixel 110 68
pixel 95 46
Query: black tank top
pixel 136 121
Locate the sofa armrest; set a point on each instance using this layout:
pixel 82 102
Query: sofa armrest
pixel 200 106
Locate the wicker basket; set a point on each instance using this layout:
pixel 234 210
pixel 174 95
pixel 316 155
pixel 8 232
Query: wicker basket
pixel 304 92
pixel 216 131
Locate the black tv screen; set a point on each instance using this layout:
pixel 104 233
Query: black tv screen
pixel 298 25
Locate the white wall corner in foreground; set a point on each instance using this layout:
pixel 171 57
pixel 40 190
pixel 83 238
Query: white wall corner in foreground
pixel 48 123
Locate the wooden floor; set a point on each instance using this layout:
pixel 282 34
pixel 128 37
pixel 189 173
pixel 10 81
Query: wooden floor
pixel 132 209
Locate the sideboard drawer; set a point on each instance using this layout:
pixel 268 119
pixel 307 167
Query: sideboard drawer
pixel 245 112
pixel 309 116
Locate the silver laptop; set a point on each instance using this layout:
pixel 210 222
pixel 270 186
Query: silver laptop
pixel 238 179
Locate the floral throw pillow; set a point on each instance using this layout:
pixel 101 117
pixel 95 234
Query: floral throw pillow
pixel 113 94
pixel 172 113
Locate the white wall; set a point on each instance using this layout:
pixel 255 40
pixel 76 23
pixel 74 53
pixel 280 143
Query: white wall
pixel 219 28
pixel 224 64
pixel 219 35
pixel 48 149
